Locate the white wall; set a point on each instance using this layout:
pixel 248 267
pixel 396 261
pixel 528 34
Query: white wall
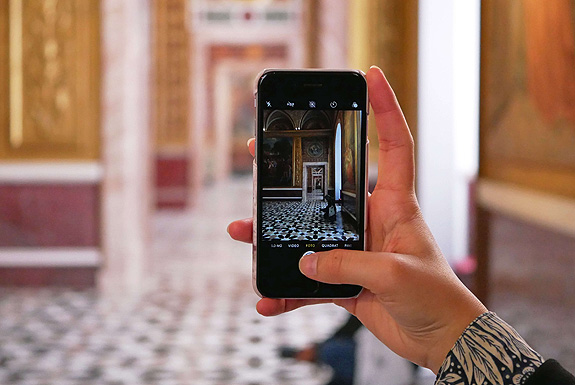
pixel 448 117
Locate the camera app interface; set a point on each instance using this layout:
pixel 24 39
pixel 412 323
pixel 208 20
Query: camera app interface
pixel 310 181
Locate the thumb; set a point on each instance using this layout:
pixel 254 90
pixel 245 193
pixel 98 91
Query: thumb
pixel 367 269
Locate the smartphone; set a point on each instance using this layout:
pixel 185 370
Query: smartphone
pixel 310 181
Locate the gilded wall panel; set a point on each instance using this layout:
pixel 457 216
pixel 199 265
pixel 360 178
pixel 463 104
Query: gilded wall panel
pixel 297 182
pixel 52 56
pixel 4 72
pixel 385 33
pixel 393 24
pixel 171 74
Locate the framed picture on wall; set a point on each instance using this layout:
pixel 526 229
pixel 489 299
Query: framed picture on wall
pixel 348 144
pixel 528 93
pixel 278 162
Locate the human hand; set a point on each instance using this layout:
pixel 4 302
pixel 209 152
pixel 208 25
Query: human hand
pixel 412 301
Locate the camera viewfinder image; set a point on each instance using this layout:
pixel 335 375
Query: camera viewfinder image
pixel 310 175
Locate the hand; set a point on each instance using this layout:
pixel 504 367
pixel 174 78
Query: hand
pixel 412 301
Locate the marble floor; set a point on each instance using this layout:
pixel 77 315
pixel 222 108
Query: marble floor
pixel 194 323
pixel 286 220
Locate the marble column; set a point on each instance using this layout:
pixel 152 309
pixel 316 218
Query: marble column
pixel 127 161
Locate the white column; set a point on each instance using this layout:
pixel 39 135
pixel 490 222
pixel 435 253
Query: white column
pixel 126 144
pixel 466 44
pixel 448 117
pixel 333 34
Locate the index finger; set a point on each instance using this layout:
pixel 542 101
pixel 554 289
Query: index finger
pixel 395 163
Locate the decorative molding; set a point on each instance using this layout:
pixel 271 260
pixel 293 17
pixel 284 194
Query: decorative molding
pixel 208 14
pixel 551 211
pixel 42 173
pixel 50 257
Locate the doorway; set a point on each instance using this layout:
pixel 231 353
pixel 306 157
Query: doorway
pixel 314 181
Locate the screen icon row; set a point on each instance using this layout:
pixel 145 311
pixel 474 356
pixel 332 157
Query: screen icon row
pixel 312 104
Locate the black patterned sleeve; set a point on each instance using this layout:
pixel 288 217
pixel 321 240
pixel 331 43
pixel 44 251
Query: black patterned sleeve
pixel 489 352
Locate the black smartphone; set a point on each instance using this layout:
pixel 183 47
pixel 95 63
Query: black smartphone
pixel 310 172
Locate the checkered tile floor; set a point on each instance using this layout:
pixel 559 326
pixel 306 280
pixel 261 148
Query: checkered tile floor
pixel 165 337
pixel 296 220
pixel 193 324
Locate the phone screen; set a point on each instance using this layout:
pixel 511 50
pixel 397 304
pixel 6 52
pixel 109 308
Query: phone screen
pixel 310 153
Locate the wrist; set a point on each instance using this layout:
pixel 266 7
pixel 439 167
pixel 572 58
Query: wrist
pixel 489 352
pixel 453 332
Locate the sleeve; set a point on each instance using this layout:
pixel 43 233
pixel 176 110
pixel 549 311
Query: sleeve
pixel 551 373
pixel 489 352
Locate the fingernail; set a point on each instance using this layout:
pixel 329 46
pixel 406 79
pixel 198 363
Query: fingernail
pixel 308 265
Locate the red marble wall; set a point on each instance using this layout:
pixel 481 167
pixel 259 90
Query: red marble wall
pixel 73 277
pixel 172 181
pixel 49 215
pixel 44 216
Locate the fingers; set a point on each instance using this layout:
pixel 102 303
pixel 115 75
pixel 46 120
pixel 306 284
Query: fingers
pixel 252 146
pixel 396 164
pixel 362 268
pixel 241 230
pixel 271 307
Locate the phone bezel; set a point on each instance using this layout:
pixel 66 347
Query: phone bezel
pixel 363 98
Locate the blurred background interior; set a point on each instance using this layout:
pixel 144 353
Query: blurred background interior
pixel 123 158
